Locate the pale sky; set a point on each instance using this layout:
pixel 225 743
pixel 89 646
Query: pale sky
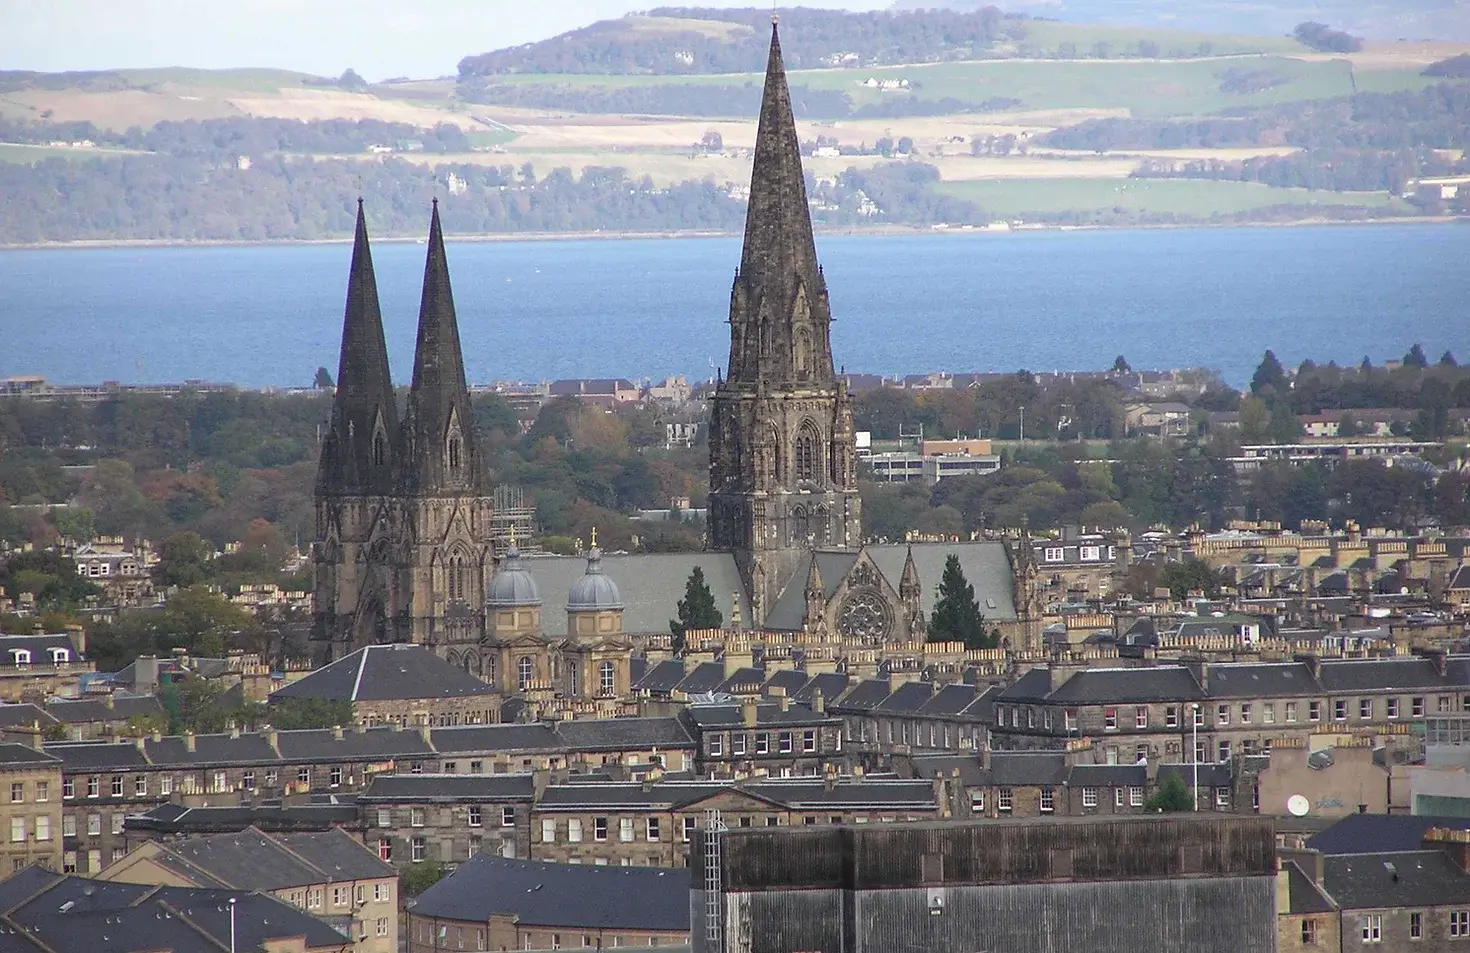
pixel 378 38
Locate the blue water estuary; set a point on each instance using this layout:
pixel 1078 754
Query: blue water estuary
pixel 268 315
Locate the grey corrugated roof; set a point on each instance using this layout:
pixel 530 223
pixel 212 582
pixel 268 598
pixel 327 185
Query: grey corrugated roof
pixel 576 896
pixel 448 787
pixel 384 673
pixel 651 584
pixel 1422 878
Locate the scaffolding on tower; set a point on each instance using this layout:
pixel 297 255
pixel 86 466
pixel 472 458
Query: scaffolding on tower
pixel 714 926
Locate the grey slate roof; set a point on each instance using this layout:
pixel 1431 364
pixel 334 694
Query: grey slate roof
pixel 13 753
pixel 619 734
pixel 338 854
pixel 97 755
pixel 962 702
pixel 93 710
pixel 533 737
pixel 1108 776
pixel 568 895
pixel 428 788
pixel 907 698
pixel 248 860
pixel 24 715
pixel 714 717
pixel 1125 685
pixel 1349 675
pixel 1421 878
pixel 1365 833
pixel 1211 774
pixel 1263 680
pixel 386 672
pixel 706 677
pixel 862 697
pixel 355 744
pixel 176 819
pixel 830 684
pixel 650 584
pixel 662 678
pixel 1306 896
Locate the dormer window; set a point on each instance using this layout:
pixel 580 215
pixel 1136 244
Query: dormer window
pixel 60 656
pixel 21 657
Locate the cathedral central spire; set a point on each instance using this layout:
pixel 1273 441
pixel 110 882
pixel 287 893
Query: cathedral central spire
pixel 779 313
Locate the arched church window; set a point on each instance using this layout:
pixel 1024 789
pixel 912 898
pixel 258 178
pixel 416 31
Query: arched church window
pixel 802 351
pixel 574 673
pixel 455 578
pixel 454 452
pixel 606 676
pixel 823 527
pixel 380 449
pixel 806 452
pixel 800 526
pixel 524 671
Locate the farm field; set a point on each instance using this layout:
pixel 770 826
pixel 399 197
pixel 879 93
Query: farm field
pixel 1017 198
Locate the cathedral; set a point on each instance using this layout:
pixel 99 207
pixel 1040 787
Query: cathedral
pixel 403 513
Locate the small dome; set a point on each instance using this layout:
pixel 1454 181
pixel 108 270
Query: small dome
pixel 513 585
pixel 595 591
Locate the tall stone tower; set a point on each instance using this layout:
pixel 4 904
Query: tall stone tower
pixel 783 475
pixel 446 507
pixel 356 476
pixel 402 515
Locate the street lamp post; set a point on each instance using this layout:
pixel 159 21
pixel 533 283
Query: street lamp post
pixel 1194 750
pixel 232 925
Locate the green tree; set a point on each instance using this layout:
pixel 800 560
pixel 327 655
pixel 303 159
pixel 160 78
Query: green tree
pixel 1172 795
pixel 1120 365
pixel 185 560
pixel 697 609
pixel 1189 576
pixel 1416 357
pixel 956 616
pixel 75 522
pixel 1270 376
pixel 1347 426
pixel 420 877
pixel 1447 359
pixel 323 379
pixel 290 714
pixel 1284 427
pixel 1255 421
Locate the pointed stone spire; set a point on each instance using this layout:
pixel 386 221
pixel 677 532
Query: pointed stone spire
pixel 357 449
pixel 779 313
pixel 814 618
pixel 439 452
pixel 908 584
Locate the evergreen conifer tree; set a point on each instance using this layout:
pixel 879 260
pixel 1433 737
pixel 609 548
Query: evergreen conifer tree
pixel 956 616
pixel 696 610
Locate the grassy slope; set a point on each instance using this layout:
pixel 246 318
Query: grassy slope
pixel 1189 197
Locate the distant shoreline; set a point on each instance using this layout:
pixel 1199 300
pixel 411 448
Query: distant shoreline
pixel 879 230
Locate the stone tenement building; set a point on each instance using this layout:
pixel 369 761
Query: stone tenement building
pixel 403 513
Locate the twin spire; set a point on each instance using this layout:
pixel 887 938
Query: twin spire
pixel 366 451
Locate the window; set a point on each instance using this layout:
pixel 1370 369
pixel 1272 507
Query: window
pixel 1053 554
pixel 599 828
pixel 1140 716
pixel 140 785
pixel 1199 715
pixel 94 825
pixel 1416 707
pixel 737 743
pixel 652 830
pixel 380 892
pixel 809 740
pixel 475 819
pixel 1365 708
pixel 977 802
pixel 415 817
pixel 93 784
pixel 43 827
pixel 785 742
pixel 1222 715
pixel 43 792
pixel 524 670
pixel 1117 797
pixel 17 830
pixel 1314 711
pixel 1171 717
pixel 1373 928
pixel 1339 709
pixel 1442 704
pixel 1091 553
pixel 382 926
pixel 1003 799
pixel 117 785
pixel 763 742
pixel 1030 718
pixel 221 782
pixel 385 849
pixel 418 849
pixel 716 746
pixel 416 768
pixel 1089 797
pixel 17 792
pixel 1223 751
pixel 1049 800
pixel 1309 932
pixel 1460 923
pixel 1393 708
pixel 1110 719
pixel 548 830
pixel 1416 926
pixel 271 777
pixel 1069 719
pixel 68 825
pixel 689 828
pixel 334 777
pixel 607 677
pixel 1135 797
pixel 625 830
pixel 574 830
pixel 247 779
pixel 507 817
pixel 117 822
pixel 1245 713
pixel 1268 713
pixel 805 452
pixel 340 896
pixel 1222 797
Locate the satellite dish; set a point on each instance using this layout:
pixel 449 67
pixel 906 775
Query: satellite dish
pixel 1298 805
